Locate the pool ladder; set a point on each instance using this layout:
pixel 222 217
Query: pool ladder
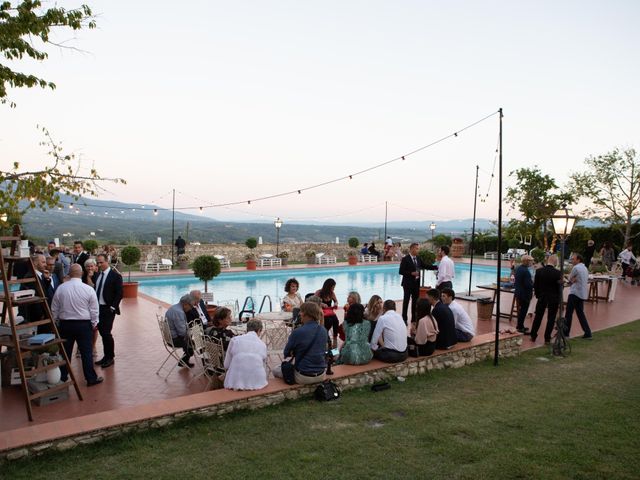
pixel 249 306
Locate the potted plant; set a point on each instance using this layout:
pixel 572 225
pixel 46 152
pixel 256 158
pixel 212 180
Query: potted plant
pixel 250 257
pixel 352 257
pixel 310 255
pixel 427 257
pixel 457 247
pixel 538 255
pixel 183 261
pixel 90 246
pixel 284 256
pixel 130 255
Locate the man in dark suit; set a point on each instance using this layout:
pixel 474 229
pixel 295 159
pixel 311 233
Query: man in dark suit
pixel 547 286
pixel 108 284
pixel 444 318
pixel 410 267
pixel 199 311
pixel 79 255
pixel 36 311
pixel 523 291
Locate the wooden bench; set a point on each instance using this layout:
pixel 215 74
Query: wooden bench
pixel 164 265
pixel 367 258
pixel 269 262
pixel 321 259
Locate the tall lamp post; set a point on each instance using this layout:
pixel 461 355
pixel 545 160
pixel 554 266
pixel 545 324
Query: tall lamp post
pixel 278 224
pixel 432 227
pixel 563 222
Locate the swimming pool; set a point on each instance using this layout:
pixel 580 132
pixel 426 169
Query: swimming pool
pixel 381 280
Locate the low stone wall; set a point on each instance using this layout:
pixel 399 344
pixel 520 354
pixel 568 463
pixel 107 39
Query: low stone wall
pixel 509 346
pixel 236 252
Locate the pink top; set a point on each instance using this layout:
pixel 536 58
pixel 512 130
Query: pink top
pixel 427 330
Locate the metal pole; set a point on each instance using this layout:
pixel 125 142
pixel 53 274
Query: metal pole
pixel 385 221
pixel 497 338
pixel 473 228
pixel 277 241
pixel 173 225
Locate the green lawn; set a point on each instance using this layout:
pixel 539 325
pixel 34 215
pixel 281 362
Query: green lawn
pixel 532 417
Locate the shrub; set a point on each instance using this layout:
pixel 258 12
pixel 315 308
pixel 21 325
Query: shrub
pixel 353 242
pixel 251 243
pixel 90 246
pixel 130 255
pixel 206 267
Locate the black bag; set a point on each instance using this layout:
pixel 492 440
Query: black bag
pixel 327 391
pixel 288 374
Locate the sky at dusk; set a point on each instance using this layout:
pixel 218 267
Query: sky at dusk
pixel 230 101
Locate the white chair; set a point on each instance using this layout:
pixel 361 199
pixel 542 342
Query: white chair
pixel 213 359
pixel 165 264
pixel 224 262
pixel 324 259
pixel 275 338
pixel 171 349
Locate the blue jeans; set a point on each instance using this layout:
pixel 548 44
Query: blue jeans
pixel 576 303
pixel 79 331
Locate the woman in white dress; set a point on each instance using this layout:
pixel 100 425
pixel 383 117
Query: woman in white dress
pixel 246 360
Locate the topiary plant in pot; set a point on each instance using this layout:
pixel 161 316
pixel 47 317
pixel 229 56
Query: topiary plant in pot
pixel 130 255
pixel 206 267
pixel 427 257
pixel 251 243
pixel 352 256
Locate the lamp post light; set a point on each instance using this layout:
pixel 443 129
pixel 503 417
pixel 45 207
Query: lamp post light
pixel 563 222
pixel 278 224
pixel 432 227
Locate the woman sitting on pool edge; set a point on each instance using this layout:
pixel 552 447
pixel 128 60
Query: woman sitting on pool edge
pixel 424 332
pixel 356 349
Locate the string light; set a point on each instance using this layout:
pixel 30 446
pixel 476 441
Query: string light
pixel 299 191
pixel 155 211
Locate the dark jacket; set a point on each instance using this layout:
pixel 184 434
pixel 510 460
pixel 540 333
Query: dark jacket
pixel 547 283
pixel 446 325
pixel 81 258
pixel 407 267
pixel 523 283
pixel 111 290
pixel 194 315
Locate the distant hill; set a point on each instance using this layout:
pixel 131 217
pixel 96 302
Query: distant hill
pixel 117 222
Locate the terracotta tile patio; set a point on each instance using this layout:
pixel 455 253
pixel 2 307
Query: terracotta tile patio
pixel 132 390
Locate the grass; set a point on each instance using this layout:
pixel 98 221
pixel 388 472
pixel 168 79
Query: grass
pixel 532 417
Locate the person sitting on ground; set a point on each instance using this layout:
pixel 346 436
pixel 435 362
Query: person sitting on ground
pixel 176 317
pixel 308 344
pixel 219 327
pixel 373 251
pixel 389 339
pixel 424 332
pixel 356 350
pixel 329 305
pixel 245 361
pixel 463 323
pixel 199 312
pixel 444 318
pixel 372 312
pixel 365 249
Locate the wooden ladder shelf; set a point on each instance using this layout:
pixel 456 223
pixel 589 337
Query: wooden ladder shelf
pixel 20 346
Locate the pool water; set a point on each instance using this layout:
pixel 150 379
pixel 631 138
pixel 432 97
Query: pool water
pixel 381 280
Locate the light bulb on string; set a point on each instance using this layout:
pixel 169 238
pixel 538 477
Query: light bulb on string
pixel 155 211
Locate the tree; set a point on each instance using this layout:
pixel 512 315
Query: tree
pixel 24 21
pixel 41 188
pixel 130 255
pixel 536 197
pixel 206 267
pixel 611 183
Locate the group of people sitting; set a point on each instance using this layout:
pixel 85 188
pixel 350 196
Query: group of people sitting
pixel 392 251
pixel 375 330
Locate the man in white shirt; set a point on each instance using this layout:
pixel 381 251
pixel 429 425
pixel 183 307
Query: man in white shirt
pixel 465 330
pixel 446 269
pixel 389 339
pixel 627 258
pixel 75 308
pixel 578 293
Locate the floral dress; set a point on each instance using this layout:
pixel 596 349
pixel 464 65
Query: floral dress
pixel 356 349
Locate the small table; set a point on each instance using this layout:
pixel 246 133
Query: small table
pixel 514 303
pixel 595 281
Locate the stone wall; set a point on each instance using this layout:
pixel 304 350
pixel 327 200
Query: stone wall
pixel 509 346
pixel 236 252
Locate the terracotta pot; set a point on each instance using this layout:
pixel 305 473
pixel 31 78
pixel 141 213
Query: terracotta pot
pixel 353 260
pixel 285 262
pixel 423 292
pixel 211 310
pixel 129 289
pixel 252 264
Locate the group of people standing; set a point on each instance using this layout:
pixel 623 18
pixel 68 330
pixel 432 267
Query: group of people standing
pixel 84 295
